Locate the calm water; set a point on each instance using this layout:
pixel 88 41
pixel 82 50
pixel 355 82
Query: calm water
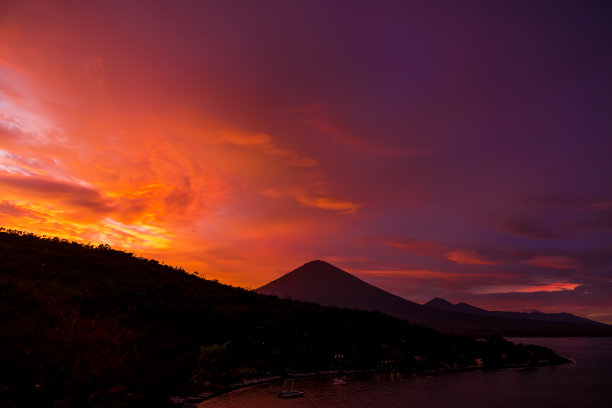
pixel 585 383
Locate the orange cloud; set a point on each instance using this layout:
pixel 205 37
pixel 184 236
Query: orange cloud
pixel 465 257
pixel 85 156
pixel 46 219
pixel 545 287
pixel 264 143
pixel 437 250
pixel 315 201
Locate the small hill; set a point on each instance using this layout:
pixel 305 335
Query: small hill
pixel 439 303
pixel 325 284
pixel 89 326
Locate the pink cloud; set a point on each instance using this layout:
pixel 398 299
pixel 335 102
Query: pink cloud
pixel 530 228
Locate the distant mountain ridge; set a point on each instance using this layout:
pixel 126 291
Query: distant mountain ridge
pixel 328 285
pixel 440 303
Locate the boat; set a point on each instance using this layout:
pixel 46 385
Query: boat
pixel 290 394
pixel 339 381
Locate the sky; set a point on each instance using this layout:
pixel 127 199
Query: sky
pixel 441 148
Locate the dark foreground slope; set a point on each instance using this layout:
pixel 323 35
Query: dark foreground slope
pixel 320 282
pixel 91 326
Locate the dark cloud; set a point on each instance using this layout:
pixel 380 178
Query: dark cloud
pixel 598 219
pixel 531 228
pixel 76 196
pixel 547 202
pixel 560 217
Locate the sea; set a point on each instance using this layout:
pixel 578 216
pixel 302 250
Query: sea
pixel 585 382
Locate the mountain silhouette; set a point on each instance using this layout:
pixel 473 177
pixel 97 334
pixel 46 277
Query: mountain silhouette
pixel 440 303
pixel 328 285
pixel 323 283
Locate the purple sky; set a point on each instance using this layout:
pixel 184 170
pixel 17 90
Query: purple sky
pixel 446 148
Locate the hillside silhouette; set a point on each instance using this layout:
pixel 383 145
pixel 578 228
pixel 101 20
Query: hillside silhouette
pixel 325 284
pixel 89 326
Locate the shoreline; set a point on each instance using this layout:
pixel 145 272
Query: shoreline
pixel 193 401
pixel 190 401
